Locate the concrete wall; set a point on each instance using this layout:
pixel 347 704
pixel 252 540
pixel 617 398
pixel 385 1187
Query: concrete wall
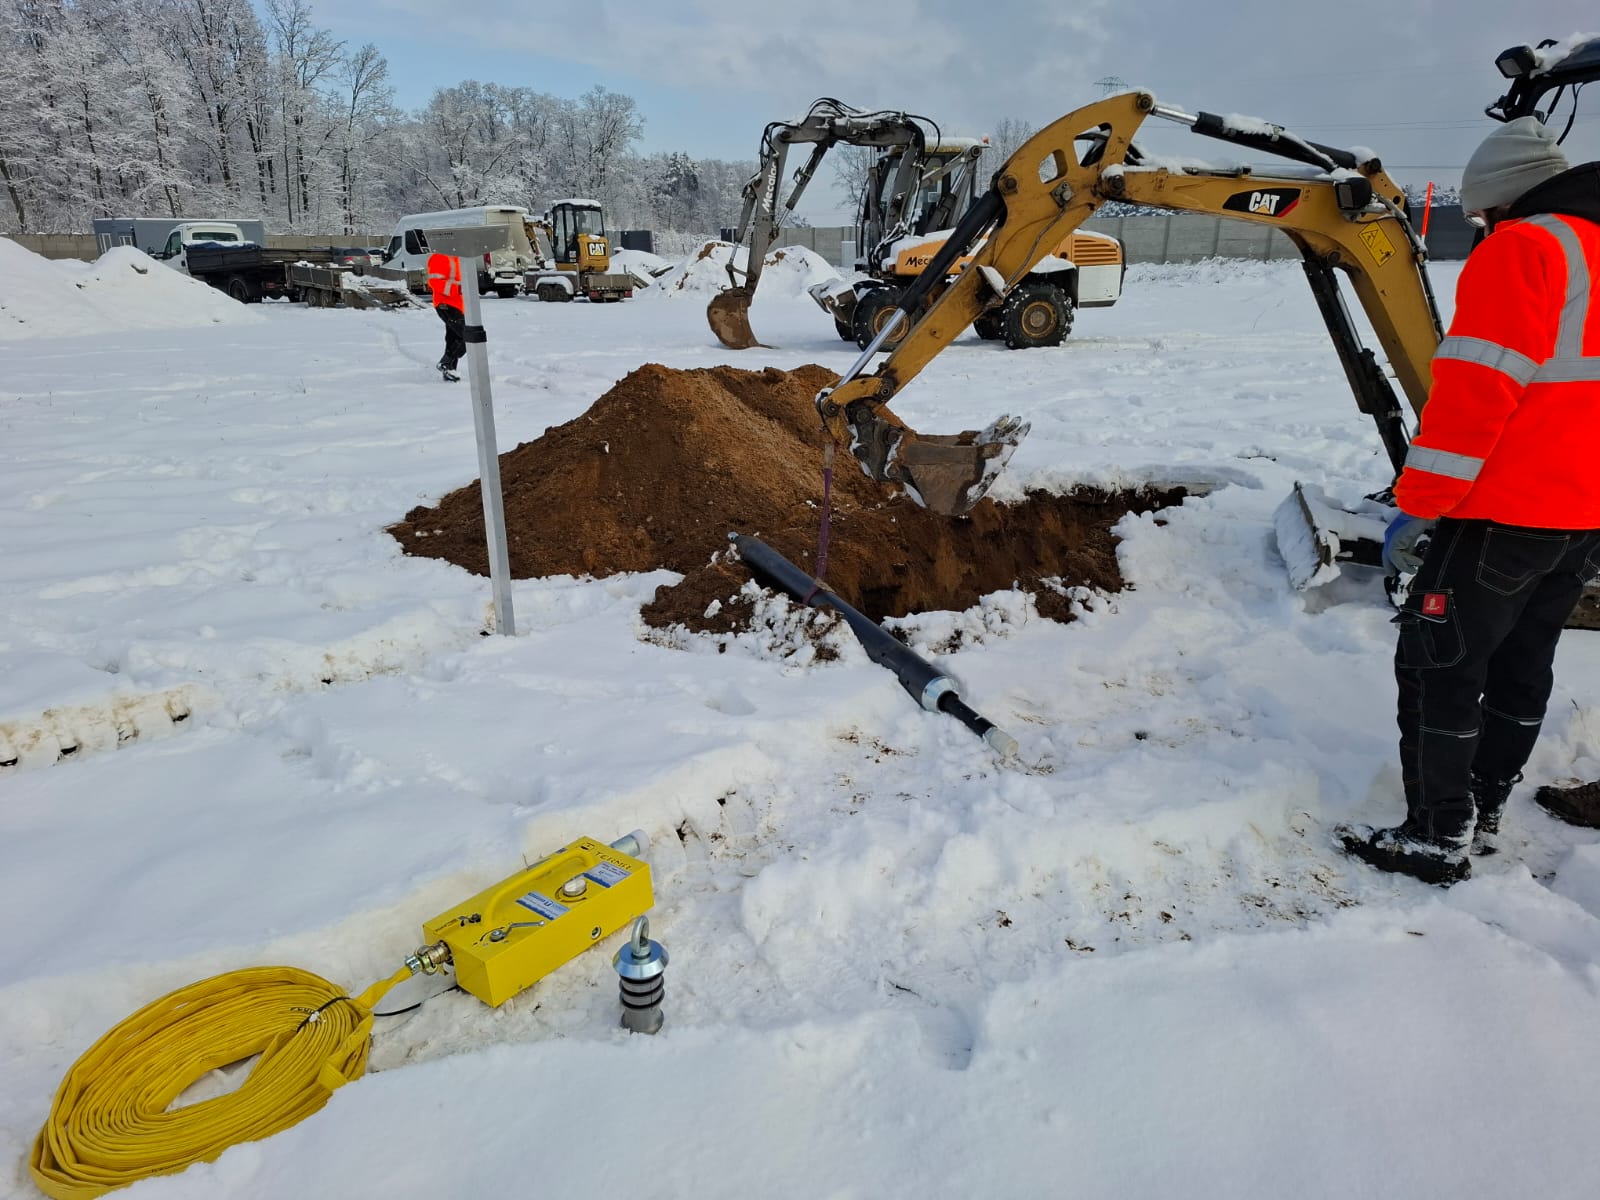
pixel 1155 237
pixel 82 245
pixel 826 240
pixel 1179 238
pixel 57 245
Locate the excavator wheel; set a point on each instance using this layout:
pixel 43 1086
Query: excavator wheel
pixel 988 326
pixel 842 328
pixel 1035 314
pixel 872 312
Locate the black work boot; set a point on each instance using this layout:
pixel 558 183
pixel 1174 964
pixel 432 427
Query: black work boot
pixel 1489 801
pixel 1430 845
pixel 1575 805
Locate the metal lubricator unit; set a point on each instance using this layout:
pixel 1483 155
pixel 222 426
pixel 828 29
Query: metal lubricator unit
pixel 509 936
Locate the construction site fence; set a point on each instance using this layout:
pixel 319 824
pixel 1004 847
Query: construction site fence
pixel 1170 238
pixel 1146 238
pixel 84 246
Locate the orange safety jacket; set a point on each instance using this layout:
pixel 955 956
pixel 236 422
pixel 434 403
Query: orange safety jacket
pixel 1511 429
pixel 444 280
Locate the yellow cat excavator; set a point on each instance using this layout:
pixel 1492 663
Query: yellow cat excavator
pixel 1339 207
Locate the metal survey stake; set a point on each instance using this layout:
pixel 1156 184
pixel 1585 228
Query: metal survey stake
pixel 469 244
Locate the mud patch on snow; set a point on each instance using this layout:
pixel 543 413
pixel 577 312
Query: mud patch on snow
pixel 664 466
pixel 66 732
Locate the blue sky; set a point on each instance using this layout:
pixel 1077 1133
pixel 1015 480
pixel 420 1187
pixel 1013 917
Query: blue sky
pixel 1407 79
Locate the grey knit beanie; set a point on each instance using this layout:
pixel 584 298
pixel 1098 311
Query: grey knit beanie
pixel 1511 160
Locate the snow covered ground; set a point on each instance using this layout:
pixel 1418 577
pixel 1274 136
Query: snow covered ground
pixel 1131 967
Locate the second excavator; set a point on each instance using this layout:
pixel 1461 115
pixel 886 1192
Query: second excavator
pixel 918 185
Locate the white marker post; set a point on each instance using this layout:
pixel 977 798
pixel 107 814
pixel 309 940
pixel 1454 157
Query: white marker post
pixel 468 245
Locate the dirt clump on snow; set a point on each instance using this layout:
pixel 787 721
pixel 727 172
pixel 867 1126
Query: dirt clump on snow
pixel 666 464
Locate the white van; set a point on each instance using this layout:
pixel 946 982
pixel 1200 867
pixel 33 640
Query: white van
pixel 500 271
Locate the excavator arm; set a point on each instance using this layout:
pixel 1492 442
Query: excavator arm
pixel 1344 215
pixel 829 123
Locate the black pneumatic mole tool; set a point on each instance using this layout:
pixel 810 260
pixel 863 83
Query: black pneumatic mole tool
pixel 926 684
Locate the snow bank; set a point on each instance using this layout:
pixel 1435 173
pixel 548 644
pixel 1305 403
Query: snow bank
pixel 1206 272
pixel 789 271
pixel 641 264
pixel 125 289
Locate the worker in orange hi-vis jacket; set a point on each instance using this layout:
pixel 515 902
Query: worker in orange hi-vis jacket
pixel 1500 505
pixel 444 280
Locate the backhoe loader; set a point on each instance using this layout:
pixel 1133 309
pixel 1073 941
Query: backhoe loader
pixel 1084 272
pixel 917 188
pixel 1340 208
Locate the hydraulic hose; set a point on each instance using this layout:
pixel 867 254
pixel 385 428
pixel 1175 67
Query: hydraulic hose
pixel 110 1123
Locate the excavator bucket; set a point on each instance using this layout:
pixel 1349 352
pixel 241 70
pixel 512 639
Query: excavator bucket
pixel 952 472
pixel 946 473
pixel 729 316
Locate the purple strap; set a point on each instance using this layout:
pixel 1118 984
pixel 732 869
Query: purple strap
pixel 827 512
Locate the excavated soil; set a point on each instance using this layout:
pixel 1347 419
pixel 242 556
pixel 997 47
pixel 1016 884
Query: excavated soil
pixel 663 466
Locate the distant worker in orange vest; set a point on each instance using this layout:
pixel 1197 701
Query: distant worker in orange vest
pixel 444 279
pixel 1503 481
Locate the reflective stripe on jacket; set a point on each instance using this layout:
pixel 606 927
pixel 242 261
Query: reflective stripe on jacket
pixel 444 280
pixel 1511 429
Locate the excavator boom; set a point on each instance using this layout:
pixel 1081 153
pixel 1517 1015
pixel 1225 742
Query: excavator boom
pixel 1344 215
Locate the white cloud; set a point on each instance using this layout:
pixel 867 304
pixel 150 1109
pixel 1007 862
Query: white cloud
pixel 1409 80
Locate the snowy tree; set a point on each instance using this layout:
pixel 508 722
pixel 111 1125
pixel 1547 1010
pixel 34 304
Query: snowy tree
pixel 224 108
pixel 1009 134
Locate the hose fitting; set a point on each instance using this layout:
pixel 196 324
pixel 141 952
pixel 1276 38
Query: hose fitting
pixel 427 960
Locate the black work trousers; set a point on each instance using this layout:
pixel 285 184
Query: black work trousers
pixel 455 342
pixel 1478 635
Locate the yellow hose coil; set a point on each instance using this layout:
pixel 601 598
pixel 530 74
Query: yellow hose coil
pixel 110 1126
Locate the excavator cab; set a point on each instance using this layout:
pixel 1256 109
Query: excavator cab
pixel 578 235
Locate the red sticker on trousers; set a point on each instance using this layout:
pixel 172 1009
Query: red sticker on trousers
pixel 1435 604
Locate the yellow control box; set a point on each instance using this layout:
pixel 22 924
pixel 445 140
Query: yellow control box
pixel 513 934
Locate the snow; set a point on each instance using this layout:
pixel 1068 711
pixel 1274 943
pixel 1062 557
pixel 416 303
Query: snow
pixel 786 273
pixel 1130 966
pixel 641 264
pixel 1551 57
pixel 125 289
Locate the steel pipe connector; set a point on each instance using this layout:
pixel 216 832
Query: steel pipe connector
pixel 641 968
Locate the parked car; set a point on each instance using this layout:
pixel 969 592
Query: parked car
pixel 352 258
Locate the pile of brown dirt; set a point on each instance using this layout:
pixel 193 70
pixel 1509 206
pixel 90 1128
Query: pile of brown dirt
pixel 663 466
